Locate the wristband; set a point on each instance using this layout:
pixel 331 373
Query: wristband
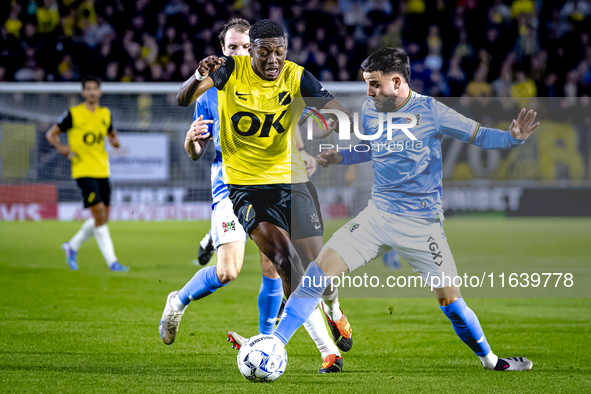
pixel 198 76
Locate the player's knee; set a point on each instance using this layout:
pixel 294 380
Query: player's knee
pixel 282 258
pixel 228 274
pixel 99 212
pixel 446 301
pixel 267 268
pixel 100 219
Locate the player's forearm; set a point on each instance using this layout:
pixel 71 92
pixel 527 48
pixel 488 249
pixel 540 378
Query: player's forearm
pixel 354 157
pixel 186 93
pixel 334 104
pixel 191 89
pixel 299 141
pixel 489 138
pixel 52 136
pixel 194 149
pixel 114 139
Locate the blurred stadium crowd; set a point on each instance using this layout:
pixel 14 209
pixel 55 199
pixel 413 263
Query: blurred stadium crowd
pixel 519 48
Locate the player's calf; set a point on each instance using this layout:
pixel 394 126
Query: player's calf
pixel 467 326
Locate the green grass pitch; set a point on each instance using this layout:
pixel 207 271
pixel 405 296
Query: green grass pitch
pixel 97 331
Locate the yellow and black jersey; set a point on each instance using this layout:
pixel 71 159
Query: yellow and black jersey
pixel 256 132
pixel 86 136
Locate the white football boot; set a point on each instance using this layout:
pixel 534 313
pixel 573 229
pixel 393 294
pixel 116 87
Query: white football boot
pixel 171 318
pixel 514 364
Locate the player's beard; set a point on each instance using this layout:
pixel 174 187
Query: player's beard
pixel 385 104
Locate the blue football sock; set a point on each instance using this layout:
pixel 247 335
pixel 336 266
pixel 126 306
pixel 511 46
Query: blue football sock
pixel 202 284
pixel 270 297
pixel 467 326
pixel 302 302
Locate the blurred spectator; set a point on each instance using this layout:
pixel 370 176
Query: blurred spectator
pixel 502 85
pixel 577 10
pixel 519 7
pixel 478 87
pixel 527 42
pixel 550 88
pixel 156 73
pixel 379 12
pixel 159 33
pixel 296 52
pixel 149 48
pixel 48 17
pixel 67 71
pixel 128 75
pixel 96 33
pixel 496 49
pixel 523 87
pixel 13 24
pixel 174 7
pixel 439 86
pixel 141 70
pixel 393 36
pixel 434 61
pixel 456 77
pixel 29 72
pixel 112 73
pixel 86 13
pixel 30 39
pixel 571 84
pixel 499 14
pixel 354 12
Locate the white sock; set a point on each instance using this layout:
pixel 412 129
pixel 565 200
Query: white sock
pixel 84 234
pixel 177 303
pixel 319 334
pixel 333 309
pixel 489 361
pixel 103 239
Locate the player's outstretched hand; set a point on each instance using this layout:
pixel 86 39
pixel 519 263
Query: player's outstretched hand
pixel 65 150
pixel 198 131
pixel 209 64
pixel 329 157
pixel 114 140
pixel 309 161
pixel 522 127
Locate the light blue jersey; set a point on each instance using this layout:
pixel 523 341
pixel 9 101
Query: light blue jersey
pixel 407 181
pixel 207 105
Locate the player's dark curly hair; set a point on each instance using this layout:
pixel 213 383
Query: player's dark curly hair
pixel 388 61
pixel 91 78
pixel 266 29
pixel 238 24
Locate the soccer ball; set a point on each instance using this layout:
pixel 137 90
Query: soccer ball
pixel 262 358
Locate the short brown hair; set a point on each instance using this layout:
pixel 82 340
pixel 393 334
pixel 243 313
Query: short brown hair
pixel 91 78
pixel 388 61
pixel 238 24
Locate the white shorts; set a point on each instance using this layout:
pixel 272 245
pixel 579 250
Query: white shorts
pixel 373 233
pixel 225 227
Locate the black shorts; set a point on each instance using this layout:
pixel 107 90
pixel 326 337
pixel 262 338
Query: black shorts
pixel 294 208
pixel 95 190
